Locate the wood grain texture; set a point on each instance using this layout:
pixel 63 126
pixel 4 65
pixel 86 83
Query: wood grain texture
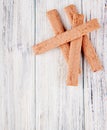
pixel 95 84
pixel 33 94
pixel 17 92
pixel 58 107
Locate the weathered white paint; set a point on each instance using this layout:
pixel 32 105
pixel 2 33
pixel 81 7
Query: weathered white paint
pixel 33 93
pixel 58 107
pixel 95 84
pixel 17 90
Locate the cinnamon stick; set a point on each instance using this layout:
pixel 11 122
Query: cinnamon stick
pixel 58 28
pixel 65 37
pixel 87 46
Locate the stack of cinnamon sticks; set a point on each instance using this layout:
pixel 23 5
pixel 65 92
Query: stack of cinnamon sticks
pixel 71 42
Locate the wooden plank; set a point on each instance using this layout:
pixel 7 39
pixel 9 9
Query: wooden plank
pixel 95 91
pixel 17 92
pixel 58 107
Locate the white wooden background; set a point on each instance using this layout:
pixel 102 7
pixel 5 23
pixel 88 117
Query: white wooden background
pixel 33 93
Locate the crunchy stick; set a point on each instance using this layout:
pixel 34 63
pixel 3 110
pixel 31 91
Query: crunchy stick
pixel 90 54
pixel 87 47
pixel 74 54
pixel 58 28
pixel 67 36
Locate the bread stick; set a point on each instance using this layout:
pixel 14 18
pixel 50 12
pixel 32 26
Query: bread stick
pixel 87 47
pixel 58 28
pixel 90 54
pixel 74 54
pixel 70 11
pixel 67 36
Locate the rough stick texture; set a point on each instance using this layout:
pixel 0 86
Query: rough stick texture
pixel 90 54
pixel 58 28
pixel 74 54
pixel 65 37
pixel 70 11
pixel 87 46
